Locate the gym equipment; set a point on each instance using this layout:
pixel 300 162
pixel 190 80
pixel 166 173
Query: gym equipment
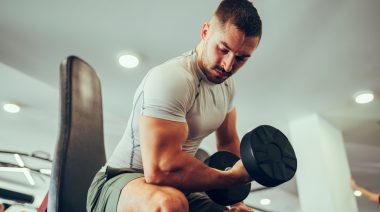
pixel 268 157
pixel 80 151
pixel 16 196
pixel 224 160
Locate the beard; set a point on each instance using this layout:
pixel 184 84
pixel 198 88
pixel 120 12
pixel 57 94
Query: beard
pixel 214 73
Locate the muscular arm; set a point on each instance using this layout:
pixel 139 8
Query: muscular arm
pixel 226 135
pixel 166 164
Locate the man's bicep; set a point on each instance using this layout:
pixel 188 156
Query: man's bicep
pixel 160 140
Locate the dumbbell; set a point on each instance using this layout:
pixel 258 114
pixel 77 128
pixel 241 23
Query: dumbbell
pixel 268 157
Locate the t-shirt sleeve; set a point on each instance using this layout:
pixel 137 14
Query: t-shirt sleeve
pixel 167 94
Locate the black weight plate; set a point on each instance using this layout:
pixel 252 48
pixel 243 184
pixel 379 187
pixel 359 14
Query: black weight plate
pixel 268 156
pixel 224 160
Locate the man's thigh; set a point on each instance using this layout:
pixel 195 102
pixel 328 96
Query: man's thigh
pixel 104 195
pixel 129 190
pixel 137 195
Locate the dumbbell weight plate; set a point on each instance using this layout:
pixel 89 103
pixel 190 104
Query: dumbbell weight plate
pixel 224 160
pixel 268 156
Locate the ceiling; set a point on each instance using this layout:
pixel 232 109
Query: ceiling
pixel 314 55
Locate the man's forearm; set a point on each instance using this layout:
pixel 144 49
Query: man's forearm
pixel 231 146
pixel 189 175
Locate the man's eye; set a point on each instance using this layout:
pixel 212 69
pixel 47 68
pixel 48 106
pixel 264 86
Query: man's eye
pixel 224 51
pixel 240 59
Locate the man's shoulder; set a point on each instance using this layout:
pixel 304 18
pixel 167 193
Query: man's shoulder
pixel 169 85
pixel 178 69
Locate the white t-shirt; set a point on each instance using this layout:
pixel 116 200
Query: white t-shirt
pixel 176 90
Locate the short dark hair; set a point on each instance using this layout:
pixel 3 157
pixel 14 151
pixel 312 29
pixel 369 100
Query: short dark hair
pixel 240 13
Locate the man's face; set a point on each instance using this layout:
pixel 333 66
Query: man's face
pixel 226 50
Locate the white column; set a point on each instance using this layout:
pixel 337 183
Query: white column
pixel 323 175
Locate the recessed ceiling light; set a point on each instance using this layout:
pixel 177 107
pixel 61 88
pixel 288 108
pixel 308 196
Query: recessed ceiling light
pixel 364 97
pixel 129 60
pixel 11 108
pixel 265 201
pixel 357 193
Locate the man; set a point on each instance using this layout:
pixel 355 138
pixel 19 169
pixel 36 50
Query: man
pixel 176 105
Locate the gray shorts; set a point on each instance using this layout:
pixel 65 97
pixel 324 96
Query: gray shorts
pixel 103 195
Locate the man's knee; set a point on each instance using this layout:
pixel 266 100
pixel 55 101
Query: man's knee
pixel 173 200
pixel 152 198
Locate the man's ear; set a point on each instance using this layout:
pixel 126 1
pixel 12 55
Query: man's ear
pixel 205 29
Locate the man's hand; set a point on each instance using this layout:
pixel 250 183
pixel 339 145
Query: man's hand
pixel 241 173
pixel 240 207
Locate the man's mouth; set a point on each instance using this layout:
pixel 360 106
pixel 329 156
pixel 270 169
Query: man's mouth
pixel 220 73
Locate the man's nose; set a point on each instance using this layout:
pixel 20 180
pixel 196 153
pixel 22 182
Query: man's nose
pixel 228 62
